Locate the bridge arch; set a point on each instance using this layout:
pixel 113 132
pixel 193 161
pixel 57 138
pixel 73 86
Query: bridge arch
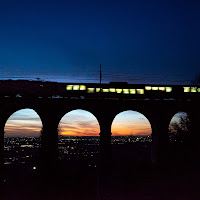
pixel 81 118
pixel 22 142
pixel 8 109
pixel 131 143
pixel 78 143
pixel 127 117
pixel 24 114
pixel 181 152
pixel 180 123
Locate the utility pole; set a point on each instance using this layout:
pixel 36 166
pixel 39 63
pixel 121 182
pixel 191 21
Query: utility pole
pixel 100 74
pixel 100 78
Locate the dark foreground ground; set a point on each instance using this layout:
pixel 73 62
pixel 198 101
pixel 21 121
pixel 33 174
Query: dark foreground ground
pixel 143 184
pixel 129 179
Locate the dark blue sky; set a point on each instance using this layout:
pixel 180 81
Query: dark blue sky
pixel 135 41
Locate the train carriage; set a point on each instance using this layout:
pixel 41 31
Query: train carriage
pixel 117 90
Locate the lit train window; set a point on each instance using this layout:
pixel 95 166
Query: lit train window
pixel 119 90
pixel 154 88
pixel 140 91
pixel 98 89
pixel 162 88
pixel 186 89
pixel 168 89
pixel 126 91
pixel 198 89
pixel 82 87
pixel 105 90
pixel 69 87
pixel 147 87
pixel 91 90
pixel 112 89
pixel 193 89
pixel 132 91
pixel 76 87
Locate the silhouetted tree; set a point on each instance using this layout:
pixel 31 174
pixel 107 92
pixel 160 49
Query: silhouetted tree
pixel 180 130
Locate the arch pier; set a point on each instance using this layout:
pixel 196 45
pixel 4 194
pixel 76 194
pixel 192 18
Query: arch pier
pixel 2 123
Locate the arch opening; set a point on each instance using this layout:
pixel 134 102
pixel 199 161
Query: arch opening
pixel 79 123
pixel 181 152
pixel 22 142
pixel 131 142
pixel 130 123
pixel 179 128
pixel 78 143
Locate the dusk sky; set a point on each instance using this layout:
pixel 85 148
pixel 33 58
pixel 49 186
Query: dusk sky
pixel 26 122
pixel 135 41
pixel 65 41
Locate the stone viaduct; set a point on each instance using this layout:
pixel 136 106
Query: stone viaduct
pixel 158 111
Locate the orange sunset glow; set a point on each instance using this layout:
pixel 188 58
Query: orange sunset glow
pixel 83 123
pixel 26 122
pixel 130 123
pixel 79 123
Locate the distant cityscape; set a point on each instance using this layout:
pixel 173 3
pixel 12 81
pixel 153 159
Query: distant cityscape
pixel 79 166
pixel 25 150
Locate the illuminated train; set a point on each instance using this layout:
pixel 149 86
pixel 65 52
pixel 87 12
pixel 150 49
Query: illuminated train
pixel 121 90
